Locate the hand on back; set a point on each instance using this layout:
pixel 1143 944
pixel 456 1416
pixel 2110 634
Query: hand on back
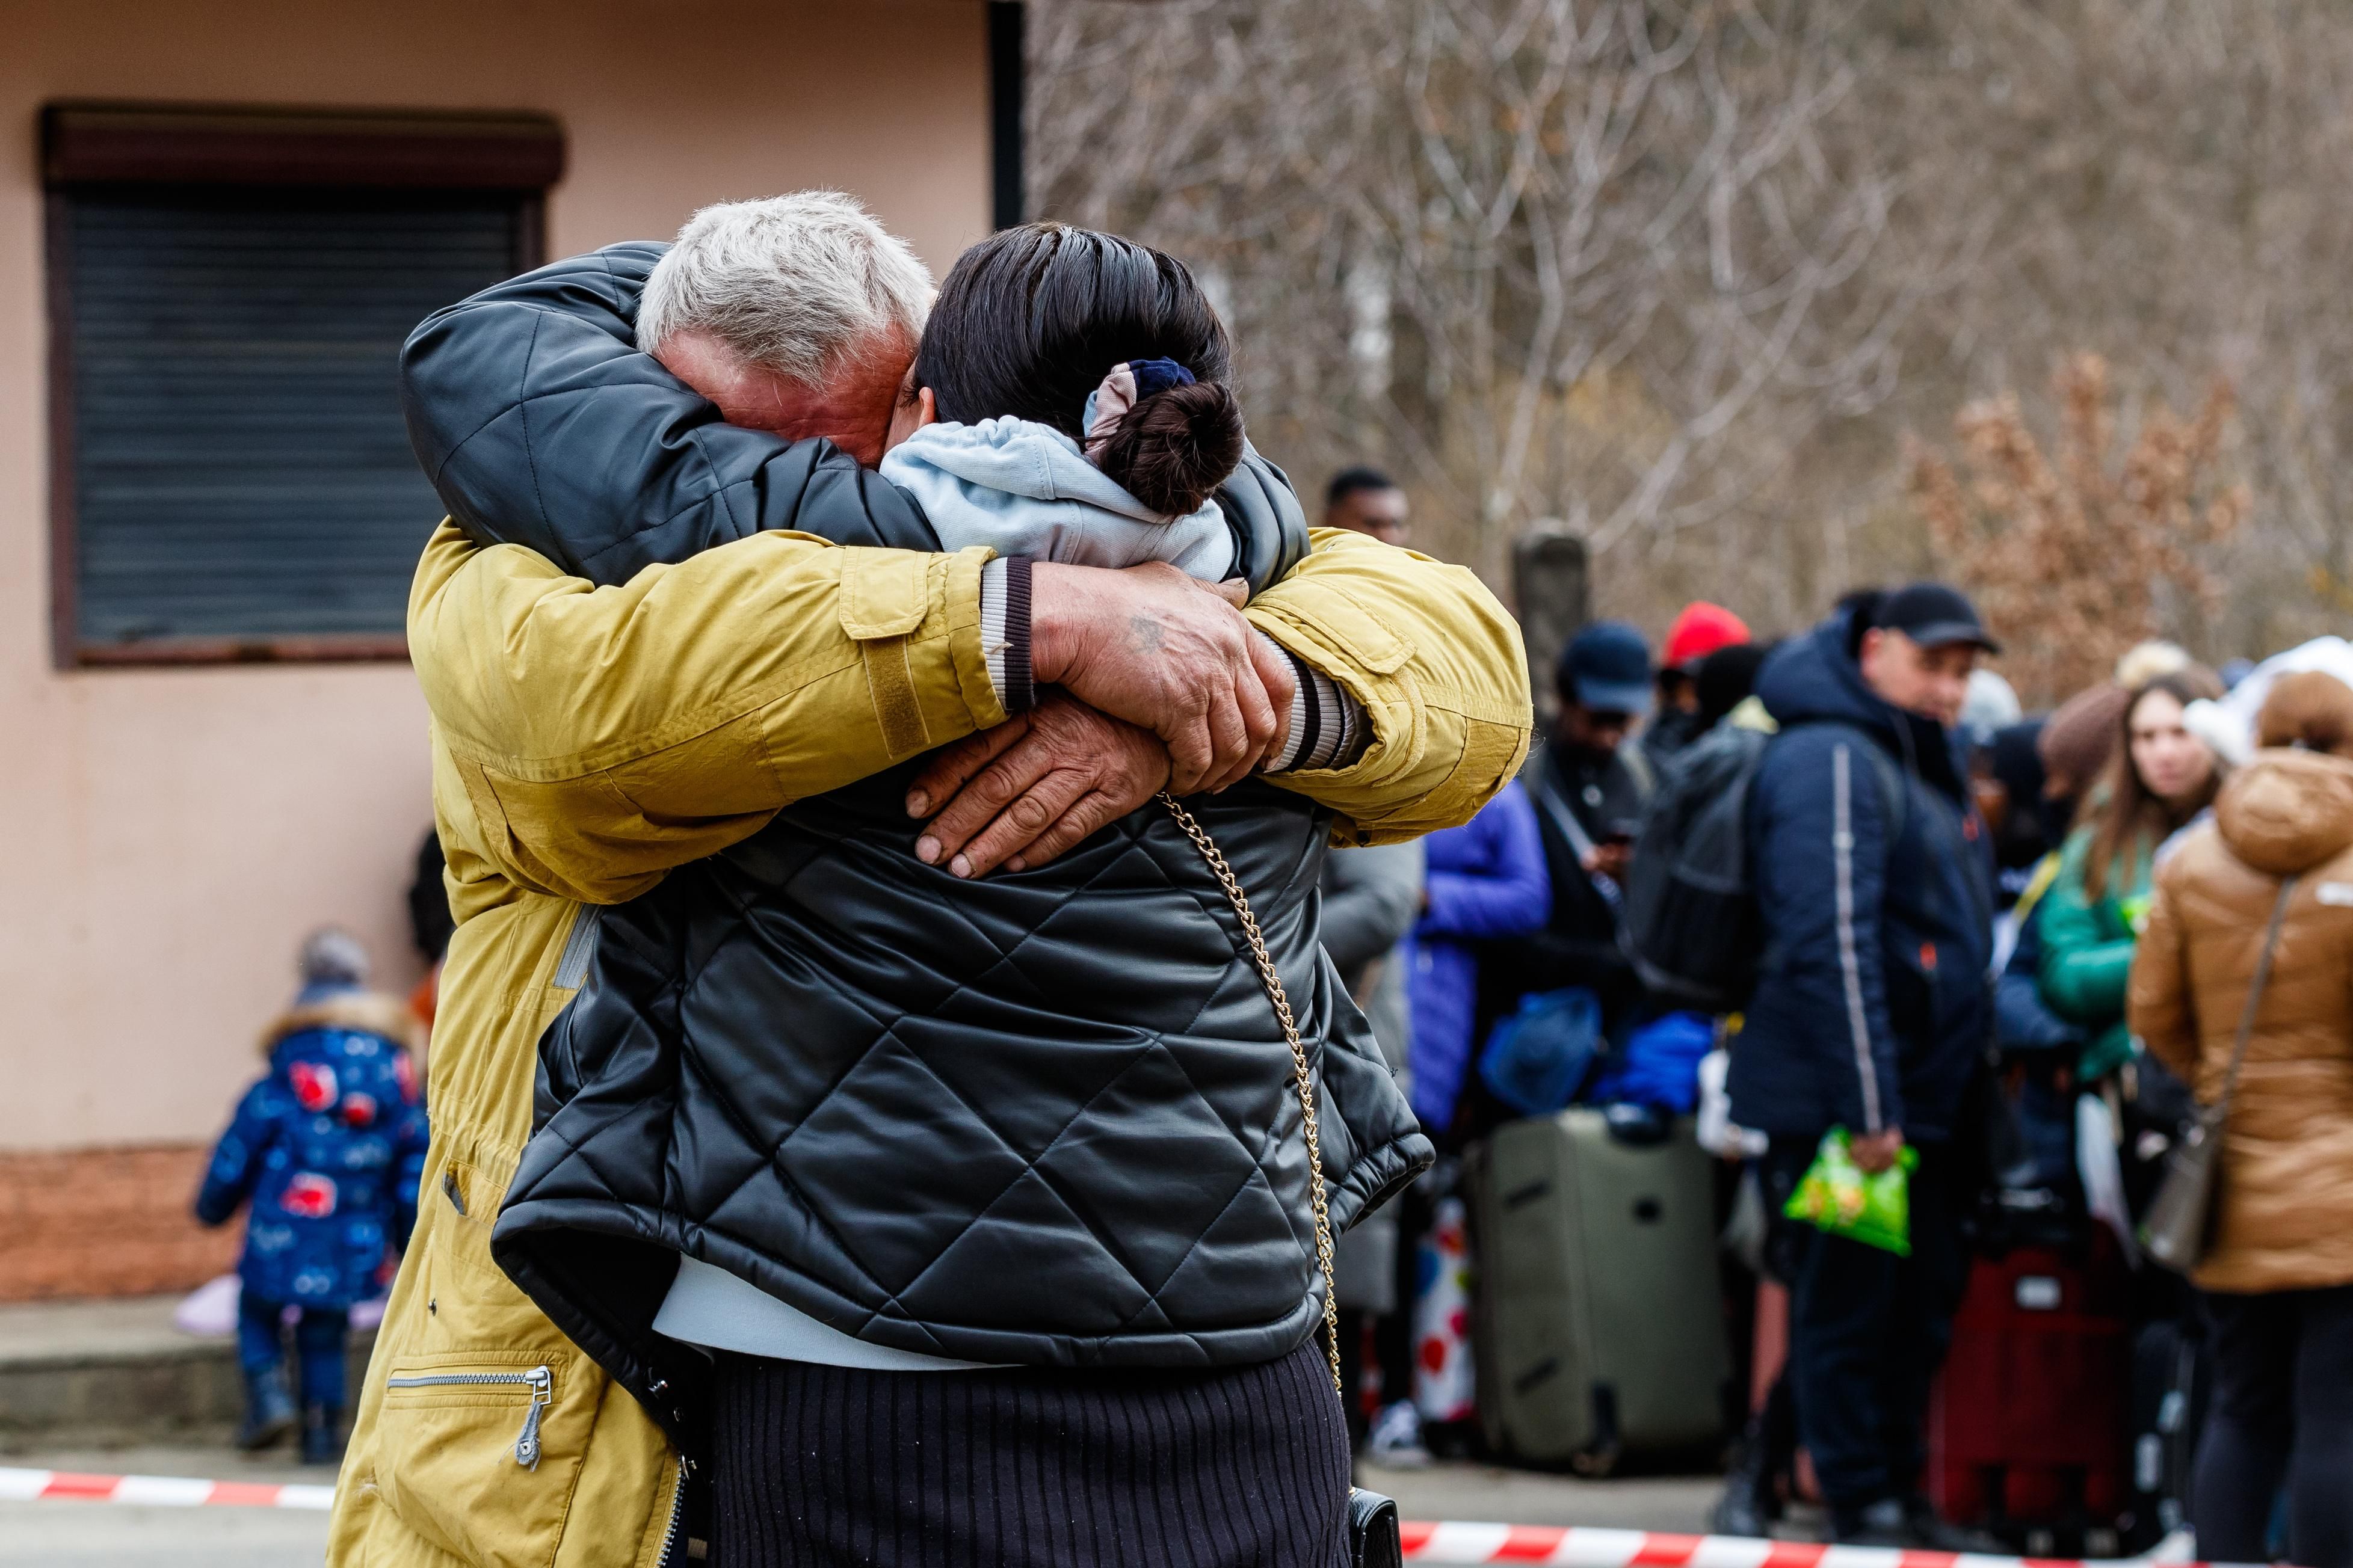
pixel 1021 794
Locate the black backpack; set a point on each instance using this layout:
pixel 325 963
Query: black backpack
pixel 1688 922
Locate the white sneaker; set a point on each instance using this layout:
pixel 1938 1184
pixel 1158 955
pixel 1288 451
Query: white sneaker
pixel 2179 1546
pixel 1395 1439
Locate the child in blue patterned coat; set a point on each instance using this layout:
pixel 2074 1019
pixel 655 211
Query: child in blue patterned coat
pixel 328 1149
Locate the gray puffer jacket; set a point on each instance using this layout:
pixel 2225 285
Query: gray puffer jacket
pixel 1042 1117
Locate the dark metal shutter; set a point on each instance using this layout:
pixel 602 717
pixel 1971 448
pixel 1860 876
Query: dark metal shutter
pixel 240 467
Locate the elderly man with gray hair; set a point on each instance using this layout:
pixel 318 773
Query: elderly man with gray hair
pixel 671 609
pixel 798 315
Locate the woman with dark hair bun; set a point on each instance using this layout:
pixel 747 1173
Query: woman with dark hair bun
pixel 1050 347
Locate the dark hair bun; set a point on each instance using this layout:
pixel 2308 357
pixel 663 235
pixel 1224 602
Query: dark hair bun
pixel 1176 447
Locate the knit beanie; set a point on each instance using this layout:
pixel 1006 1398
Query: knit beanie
pixel 333 959
pixel 2080 737
pixel 1698 631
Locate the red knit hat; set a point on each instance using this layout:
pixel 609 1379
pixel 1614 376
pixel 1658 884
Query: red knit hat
pixel 1699 631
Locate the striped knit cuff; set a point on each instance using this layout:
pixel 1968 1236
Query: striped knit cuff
pixel 1005 631
pixel 1327 725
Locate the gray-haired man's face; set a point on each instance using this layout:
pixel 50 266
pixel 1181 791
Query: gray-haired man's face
pixel 852 409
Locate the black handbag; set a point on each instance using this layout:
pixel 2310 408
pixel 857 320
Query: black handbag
pixel 2179 1228
pixel 1374 1540
pixel 1374 1537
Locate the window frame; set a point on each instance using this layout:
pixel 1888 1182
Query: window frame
pixel 87 146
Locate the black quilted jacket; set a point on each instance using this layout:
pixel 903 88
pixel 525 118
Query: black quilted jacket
pixel 1042 1117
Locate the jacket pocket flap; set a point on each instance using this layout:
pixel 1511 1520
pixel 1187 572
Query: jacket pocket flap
pixel 884 592
pixel 1366 639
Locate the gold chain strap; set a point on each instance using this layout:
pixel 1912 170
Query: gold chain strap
pixel 1304 1079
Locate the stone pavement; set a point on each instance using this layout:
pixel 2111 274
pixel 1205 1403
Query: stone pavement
pixel 1496 1495
pixel 105 1374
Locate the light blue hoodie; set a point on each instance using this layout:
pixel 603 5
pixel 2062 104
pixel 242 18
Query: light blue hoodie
pixel 1024 488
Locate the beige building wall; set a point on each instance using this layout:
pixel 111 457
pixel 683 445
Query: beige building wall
pixel 171 833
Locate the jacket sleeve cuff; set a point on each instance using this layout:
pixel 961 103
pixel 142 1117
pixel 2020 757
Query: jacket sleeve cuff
pixel 1328 729
pixel 1005 631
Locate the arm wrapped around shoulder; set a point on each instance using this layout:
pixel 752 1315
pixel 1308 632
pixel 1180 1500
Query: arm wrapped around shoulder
pixel 541 423
pixel 1435 661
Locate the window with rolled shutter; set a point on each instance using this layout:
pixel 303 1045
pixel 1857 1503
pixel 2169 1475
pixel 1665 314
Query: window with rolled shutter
pixel 231 479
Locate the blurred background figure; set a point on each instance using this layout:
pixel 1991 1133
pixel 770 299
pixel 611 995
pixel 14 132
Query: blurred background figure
pixel 327 1148
pixel 1588 786
pixel 2145 661
pixel 2277 1276
pixel 1482 881
pixel 2075 746
pixel 1872 885
pixel 1989 707
pixel 1366 501
pixel 2009 787
pixel 429 928
pixel 1726 682
pixel 1371 898
pixel 2158 779
pixel 1699 629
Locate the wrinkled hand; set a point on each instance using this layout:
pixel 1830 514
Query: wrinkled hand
pixel 1875 1151
pixel 1021 794
pixel 1149 645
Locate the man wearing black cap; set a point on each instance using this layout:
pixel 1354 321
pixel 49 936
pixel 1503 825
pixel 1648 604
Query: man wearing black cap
pixel 1588 787
pixel 1874 893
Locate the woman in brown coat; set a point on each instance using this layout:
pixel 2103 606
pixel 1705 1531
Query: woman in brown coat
pixel 2279 1277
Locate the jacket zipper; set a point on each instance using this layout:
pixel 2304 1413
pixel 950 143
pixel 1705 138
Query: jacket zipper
pixel 676 1508
pixel 539 1380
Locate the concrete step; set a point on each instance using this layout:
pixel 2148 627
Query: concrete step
pixel 110 1373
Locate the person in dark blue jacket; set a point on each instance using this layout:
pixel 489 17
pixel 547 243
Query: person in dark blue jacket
pixel 328 1148
pixel 1871 1012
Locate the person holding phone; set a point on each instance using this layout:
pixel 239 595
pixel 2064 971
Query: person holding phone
pixel 1588 786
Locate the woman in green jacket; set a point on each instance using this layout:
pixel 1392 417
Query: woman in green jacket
pixel 2157 781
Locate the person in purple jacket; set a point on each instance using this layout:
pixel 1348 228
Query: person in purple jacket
pixel 1484 879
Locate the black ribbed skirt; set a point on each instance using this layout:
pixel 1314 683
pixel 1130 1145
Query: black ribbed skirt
pixel 1028 1468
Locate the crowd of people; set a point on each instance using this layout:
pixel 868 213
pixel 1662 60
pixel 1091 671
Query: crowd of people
pixel 2009 953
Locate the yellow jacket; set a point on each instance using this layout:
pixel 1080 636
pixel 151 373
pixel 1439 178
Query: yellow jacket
pixel 587 739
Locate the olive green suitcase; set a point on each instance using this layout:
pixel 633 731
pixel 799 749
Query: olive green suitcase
pixel 1600 1327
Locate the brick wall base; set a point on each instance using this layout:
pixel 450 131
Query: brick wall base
pixel 106 1221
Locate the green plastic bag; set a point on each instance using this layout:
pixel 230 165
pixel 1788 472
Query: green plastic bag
pixel 1838 1196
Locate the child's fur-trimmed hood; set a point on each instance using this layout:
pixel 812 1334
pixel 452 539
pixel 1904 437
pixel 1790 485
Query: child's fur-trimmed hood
pixel 366 1012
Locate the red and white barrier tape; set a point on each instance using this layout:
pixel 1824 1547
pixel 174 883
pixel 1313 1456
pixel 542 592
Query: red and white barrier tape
pixel 1453 1541
pixel 1579 1547
pixel 158 1492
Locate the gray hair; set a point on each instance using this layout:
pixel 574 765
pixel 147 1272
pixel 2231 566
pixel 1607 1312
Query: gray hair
pixel 794 284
